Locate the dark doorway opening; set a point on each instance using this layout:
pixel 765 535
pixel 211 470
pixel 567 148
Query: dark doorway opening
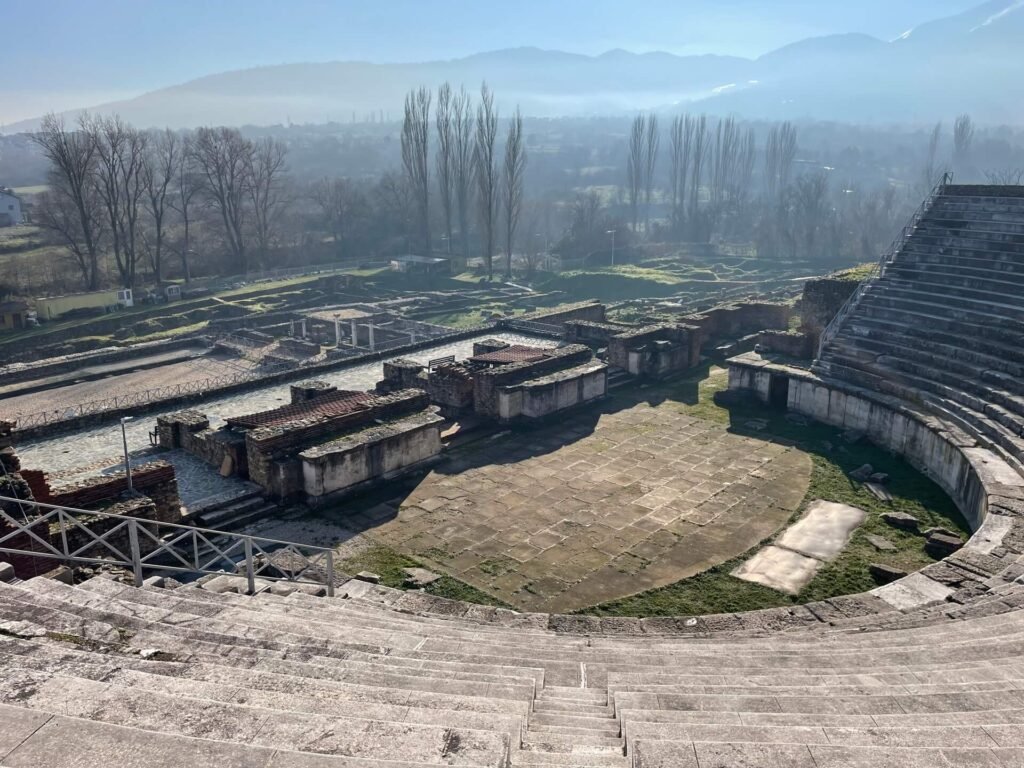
pixel 778 392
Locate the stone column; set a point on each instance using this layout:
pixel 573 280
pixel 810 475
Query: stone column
pixel 303 321
pixel 369 325
pixel 291 328
pixel 337 331
pixel 355 333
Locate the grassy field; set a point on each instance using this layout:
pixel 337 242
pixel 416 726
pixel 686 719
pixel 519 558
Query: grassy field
pixel 715 591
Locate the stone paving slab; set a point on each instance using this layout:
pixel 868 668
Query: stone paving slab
pixel 598 507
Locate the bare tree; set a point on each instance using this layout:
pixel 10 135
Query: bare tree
pixel 223 157
pixel 780 152
pixel 724 157
pixel 963 137
pixel 515 167
pixel 70 208
pixel 445 161
pixel 187 186
pixel 1005 177
pixel 415 154
pixel 700 152
pixel 652 139
pixel 265 168
pixel 334 199
pixel 486 165
pixel 680 150
pixel 931 159
pixel 635 165
pixel 809 207
pixel 158 173
pixel 119 179
pixel 462 163
pixel 743 173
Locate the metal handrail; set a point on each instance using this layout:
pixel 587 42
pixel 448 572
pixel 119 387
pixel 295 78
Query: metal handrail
pixel 158 546
pixel 879 267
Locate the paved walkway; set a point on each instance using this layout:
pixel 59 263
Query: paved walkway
pixel 596 508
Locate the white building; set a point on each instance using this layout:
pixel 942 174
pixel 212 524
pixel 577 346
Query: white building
pixel 10 208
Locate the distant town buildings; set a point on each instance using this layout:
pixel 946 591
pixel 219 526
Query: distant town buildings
pixel 10 208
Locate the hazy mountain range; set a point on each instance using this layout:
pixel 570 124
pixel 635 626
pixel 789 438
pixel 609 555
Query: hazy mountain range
pixel 972 62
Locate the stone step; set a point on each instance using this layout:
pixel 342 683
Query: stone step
pixel 686 754
pixel 565 707
pixel 148 711
pixel 540 731
pixel 571 742
pixel 952 735
pixel 568 760
pixel 597 722
pixel 38 740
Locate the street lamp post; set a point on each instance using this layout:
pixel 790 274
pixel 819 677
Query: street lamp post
pixel 124 442
pixel 612 233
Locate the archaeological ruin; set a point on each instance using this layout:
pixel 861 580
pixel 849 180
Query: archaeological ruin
pixel 781 530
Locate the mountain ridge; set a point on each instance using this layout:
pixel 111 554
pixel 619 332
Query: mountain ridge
pixel 966 62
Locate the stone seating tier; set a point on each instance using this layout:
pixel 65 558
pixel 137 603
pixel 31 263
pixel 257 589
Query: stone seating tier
pixel 943 325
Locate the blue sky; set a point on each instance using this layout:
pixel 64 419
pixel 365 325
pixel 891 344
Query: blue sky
pixel 73 53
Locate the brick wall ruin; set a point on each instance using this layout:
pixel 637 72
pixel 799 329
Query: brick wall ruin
pixel 821 301
pixel 656 350
pixel 487 382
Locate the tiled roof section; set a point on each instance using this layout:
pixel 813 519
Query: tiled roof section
pixel 327 405
pixel 516 353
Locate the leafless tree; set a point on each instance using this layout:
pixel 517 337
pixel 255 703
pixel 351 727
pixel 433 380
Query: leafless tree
pixel 780 152
pixel 743 175
pixel 158 174
pixel 70 209
pixel 415 156
pixel 635 165
pixel 1006 177
pixel 512 182
pixel 963 137
pixel 652 140
pixel 700 151
pixel 121 152
pixel 445 160
pixel 931 159
pixel 334 199
pixel 810 193
pixel 486 165
pixel 223 157
pixel 724 158
pixel 462 163
pixel 265 168
pixel 188 184
pixel 680 150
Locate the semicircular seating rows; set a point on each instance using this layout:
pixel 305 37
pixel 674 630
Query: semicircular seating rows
pixel 927 671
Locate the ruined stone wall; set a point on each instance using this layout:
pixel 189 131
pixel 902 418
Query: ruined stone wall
pixel 370 455
pixel 734 320
pixel 402 374
pixel 821 301
pixel 656 350
pixel 592 333
pixel 271 451
pixel 190 431
pixel 791 343
pixel 155 480
pixel 451 387
pixel 307 390
pixel 486 383
pixel 593 311
pixel 547 395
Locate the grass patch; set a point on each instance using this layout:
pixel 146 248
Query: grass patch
pixel 389 565
pixel 715 591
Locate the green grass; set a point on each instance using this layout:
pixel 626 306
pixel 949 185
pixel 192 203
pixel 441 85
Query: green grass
pixel 388 564
pixel 715 591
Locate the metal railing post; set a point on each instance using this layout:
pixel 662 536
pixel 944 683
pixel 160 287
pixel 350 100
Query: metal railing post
pixel 133 545
pixel 250 572
pixel 330 573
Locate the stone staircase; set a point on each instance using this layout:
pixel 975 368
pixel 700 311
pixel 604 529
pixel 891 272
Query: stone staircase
pixel 378 678
pixel 944 324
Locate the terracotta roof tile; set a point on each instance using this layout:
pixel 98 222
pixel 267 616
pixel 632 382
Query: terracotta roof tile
pixel 330 404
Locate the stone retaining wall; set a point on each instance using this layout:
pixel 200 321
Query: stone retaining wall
pixel 988 492
pixel 487 383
